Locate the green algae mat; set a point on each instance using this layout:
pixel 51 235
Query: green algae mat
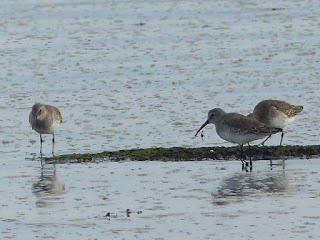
pixel 193 154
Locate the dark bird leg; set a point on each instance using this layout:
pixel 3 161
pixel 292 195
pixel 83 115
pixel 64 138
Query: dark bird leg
pixel 266 140
pixel 41 141
pixel 281 138
pixel 250 157
pixel 243 162
pixel 53 144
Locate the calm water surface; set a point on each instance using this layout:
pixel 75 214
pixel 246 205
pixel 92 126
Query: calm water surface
pixel 160 200
pixel 136 74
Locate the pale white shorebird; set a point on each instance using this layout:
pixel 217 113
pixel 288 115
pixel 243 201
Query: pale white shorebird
pixel 275 113
pixel 45 119
pixel 237 128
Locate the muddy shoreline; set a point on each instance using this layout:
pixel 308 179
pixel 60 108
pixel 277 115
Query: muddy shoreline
pixel 192 154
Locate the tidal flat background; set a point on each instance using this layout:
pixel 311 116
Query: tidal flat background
pixel 139 74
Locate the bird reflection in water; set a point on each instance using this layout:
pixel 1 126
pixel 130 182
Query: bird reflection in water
pixel 47 189
pixel 240 186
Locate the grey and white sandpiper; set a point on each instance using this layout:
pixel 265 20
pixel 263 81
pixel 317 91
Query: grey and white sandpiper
pixel 45 119
pixel 237 128
pixel 275 113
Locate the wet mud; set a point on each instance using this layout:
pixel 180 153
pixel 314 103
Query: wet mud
pixel 193 154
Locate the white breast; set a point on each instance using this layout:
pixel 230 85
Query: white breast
pixel 280 122
pixel 239 138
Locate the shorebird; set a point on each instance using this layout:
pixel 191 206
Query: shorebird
pixel 45 119
pixel 237 128
pixel 275 113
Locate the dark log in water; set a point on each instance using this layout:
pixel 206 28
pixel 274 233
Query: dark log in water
pixel 193 154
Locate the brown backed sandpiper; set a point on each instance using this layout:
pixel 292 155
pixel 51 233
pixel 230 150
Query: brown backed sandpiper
pixel 275 113
pixel 45 119
pixel 237 128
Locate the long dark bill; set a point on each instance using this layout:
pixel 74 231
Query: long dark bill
pixel 203 125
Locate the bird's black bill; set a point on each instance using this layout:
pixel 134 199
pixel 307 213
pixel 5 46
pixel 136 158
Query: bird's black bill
pixel 203 125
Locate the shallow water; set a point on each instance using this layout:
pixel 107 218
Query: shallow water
pixel 137 74
pixel 166 200
pixel 145 73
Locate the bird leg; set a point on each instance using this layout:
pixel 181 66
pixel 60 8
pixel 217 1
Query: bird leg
pixel 53 144
pixel 243 162
pixel 262 144
pixel 250 157
pixel 41 141
pixel 281 138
